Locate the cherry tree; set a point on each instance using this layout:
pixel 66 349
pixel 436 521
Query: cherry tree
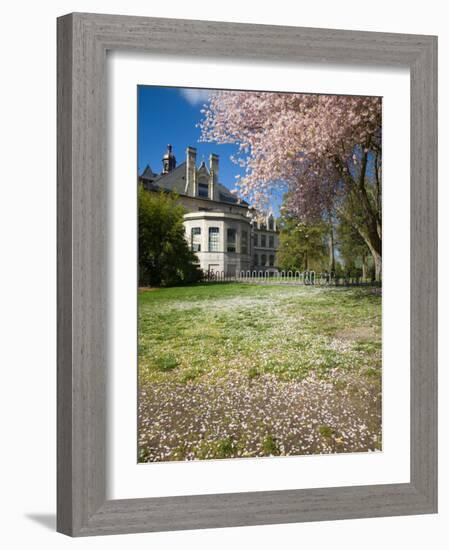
pixel 324 150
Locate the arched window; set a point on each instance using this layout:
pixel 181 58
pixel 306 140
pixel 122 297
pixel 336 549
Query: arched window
pixel 264 259
pixel 271 260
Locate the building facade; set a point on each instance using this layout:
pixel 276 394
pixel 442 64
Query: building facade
pixel 219 228
pixel 265 245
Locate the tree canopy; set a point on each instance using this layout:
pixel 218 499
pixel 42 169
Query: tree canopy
pixel 324 150
pixel 302 247
pixel 165 258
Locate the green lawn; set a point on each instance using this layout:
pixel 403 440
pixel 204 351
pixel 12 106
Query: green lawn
pixel 231 369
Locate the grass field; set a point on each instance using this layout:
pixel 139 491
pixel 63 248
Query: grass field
pixel 240 370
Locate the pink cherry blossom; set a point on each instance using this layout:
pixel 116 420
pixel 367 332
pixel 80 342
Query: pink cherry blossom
pixel 299 143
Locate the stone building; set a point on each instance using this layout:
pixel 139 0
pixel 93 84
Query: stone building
pixel 219 227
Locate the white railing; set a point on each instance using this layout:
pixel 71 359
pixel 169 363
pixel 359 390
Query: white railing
pixel 286 278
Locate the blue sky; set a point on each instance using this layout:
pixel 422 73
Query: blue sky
pixel 170 115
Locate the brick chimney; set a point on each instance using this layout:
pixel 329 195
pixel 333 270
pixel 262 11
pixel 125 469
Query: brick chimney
pixel 191 185
pixel 213 177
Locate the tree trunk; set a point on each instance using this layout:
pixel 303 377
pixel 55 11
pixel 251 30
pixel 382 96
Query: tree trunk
pixel 377 266
pixel 364 268
pixel 371 227
pixel 331 249
pixel 377 257
pixel 375 246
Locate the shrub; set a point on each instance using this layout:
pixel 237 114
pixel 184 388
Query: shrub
pixel 326 431
pixel 269 446
pixel 165 258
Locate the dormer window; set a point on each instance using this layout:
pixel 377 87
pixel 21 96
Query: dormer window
pixel 203 190
pixel 203 181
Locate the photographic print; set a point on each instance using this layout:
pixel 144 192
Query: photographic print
pixel 260 274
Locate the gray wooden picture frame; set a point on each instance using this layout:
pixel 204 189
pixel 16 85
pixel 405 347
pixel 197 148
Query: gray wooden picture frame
pixel 83 40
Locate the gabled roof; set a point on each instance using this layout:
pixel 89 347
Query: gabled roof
pixel 203 169
pixel 175 180
pixel 148 174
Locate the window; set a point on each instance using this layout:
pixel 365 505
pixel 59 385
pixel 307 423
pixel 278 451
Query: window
pixel 256 259
pixel 256 239
pixel 271 260
pixel 196 239
pixel 244 243
pixel 231 239
pixel 264 259
pixel 263 244
pixel 203 190
pixel 214 236
pixel 271 224
pixel 271 241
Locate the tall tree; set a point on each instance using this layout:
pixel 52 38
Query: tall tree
pixel 353 249
pixel 302 247
pixel 164 255
pixel 323 149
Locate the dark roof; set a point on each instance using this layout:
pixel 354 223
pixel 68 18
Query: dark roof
pixel 175 180
pixel 226 196
pixel 148 174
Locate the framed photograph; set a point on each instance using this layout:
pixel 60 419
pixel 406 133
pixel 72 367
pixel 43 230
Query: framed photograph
pixel 247 274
